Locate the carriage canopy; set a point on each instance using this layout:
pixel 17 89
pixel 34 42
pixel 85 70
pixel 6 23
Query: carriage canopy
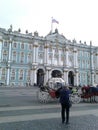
pixel 55 83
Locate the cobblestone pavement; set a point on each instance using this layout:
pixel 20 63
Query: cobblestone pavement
pixel 47 117
pixel 83 116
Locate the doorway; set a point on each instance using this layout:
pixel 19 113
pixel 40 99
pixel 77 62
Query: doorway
pixel 40 77
pixel 71 78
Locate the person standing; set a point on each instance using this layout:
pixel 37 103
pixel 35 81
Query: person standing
pixel 65 103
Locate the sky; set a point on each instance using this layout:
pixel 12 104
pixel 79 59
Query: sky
pixel 78 19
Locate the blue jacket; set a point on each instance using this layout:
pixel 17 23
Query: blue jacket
pixel 64 96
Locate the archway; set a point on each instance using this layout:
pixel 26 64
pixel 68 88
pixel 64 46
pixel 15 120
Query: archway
pixel 40 77
pixel 71 78
pixel 56 73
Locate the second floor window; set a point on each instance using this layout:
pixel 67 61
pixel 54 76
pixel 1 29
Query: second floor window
pixel 22 57
pixel 22 46
pixel 5 55
pixel 29 58
pixel 30 46
pixel 15 45
pixel 14 56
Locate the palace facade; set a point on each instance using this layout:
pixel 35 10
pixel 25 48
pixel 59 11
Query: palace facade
pixel 27 59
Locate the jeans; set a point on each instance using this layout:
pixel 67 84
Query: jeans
pixel 65 107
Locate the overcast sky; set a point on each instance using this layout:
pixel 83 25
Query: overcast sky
pixel 77 18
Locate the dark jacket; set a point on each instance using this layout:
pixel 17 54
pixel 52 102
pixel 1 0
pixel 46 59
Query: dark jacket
pixel 64 96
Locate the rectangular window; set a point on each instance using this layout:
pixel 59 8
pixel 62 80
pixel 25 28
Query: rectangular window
pixel 12 74
pixel 21 74
pixel 22 57
pixel 14 45
pixel 14 56
pixel 30 46
pixel 5 55
pixel 5 44
pixel 40 58
pixel 3 74
pixel 22 45
pixel 29 58
pixel 28 75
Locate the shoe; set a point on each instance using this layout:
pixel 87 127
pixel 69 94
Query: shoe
pixel 67 123
pixel 63 122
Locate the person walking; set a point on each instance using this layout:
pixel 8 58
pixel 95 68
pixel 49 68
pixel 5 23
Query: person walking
pixel 64 94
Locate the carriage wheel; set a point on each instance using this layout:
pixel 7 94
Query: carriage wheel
pixel 43 96
pixel 75 98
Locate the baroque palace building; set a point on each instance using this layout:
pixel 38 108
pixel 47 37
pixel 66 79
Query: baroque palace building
pixel 27 59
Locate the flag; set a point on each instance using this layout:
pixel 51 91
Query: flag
pixel 54 21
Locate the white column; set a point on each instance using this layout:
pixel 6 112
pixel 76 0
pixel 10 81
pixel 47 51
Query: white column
pixel 53 57
pixel 46 54
pixel 36 54
pixel 92 68
pixel 10 48
pixel 92 61
pixel 75 53
pixel 31 77
pixel 46 77
pixel 35 76
pixel 66 53
pixel 49 74
pixel 8 77
pixel 76 59
pixel 33 54
pixel 97 60
pixel 66 76
pixel 9 61
pixel 93 78
pixel 59 56
pixel 76 79
pixel 97 78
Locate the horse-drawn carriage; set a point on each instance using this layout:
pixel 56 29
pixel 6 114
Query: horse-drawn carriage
pixel 89 93
pixel 48 92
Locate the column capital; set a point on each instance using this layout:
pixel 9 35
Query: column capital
pixel 48 68
pixel 75 50
pixel 35 44
pixel 65 70
pixel 46 46
pixel 66 49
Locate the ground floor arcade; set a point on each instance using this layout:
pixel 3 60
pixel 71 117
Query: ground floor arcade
pixel 42 75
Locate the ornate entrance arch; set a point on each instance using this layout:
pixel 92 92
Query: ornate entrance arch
pixel 56 73
pixel 71 78
pixel 40 77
